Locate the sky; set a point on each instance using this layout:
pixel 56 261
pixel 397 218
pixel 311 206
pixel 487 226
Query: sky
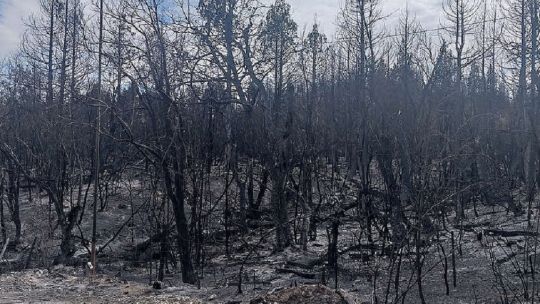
pixel 427 12
pixel 12 13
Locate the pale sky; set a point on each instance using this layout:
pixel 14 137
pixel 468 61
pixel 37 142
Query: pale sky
pixel 427 12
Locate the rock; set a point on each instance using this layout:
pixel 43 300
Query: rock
pixel 157 285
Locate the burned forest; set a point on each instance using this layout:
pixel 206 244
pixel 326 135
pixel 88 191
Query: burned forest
pixel 226 151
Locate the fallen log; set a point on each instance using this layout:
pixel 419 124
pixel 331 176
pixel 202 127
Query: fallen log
pixel 506 258
pixel 364 257
pixel 470 227
pixel 305 275
pixel 135 251
pixel 505 233
pixel 305 262
pixel 257 224
pixel 368 247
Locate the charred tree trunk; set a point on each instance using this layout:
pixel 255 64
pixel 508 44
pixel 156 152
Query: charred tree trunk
pixel 175 183
pixel 3 233
pixel 13 201
pixel 280 208
pixel 263 186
